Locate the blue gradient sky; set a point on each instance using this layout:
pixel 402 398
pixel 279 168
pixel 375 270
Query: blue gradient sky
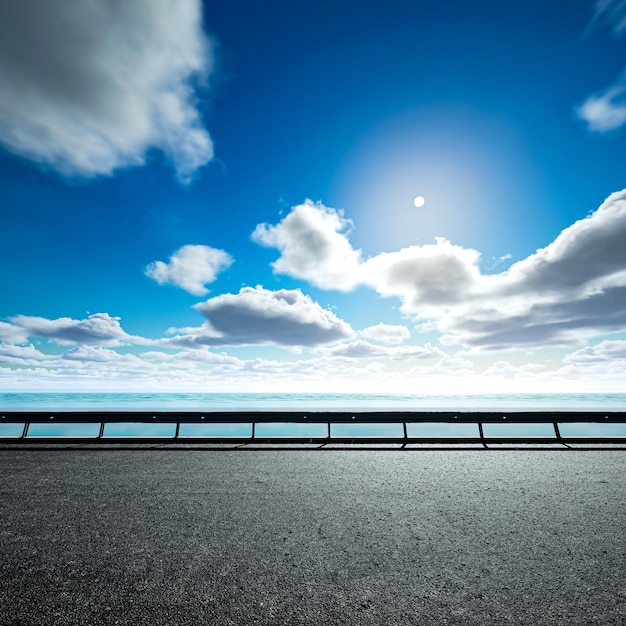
pixel 219 196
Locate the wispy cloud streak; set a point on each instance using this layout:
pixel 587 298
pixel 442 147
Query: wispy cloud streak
pixel 190 268
pixel 605 110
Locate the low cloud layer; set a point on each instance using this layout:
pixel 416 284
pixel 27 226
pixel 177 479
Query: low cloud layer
pixel 604 352
pixel 386 333
pixel 574 287
pixel 190 268
pixel 259 316
pixel 99 329
pixel 12 334
pixel 363 350
pixel 22 355
pixel 89 87
pixel 89 365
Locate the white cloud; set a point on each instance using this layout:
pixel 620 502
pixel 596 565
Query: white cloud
pixel 99 329
pixel 426 278
pixel 606 110
pixel 606 351
pixel 87 368
pixel 88 87
pixel 386 333
pixel 573 288
pixel 260 316
pixel 190 268
pixel 363 350
pixel 12 334
pixel 10 353
pixel 92 353
pixel 506 369
pixel 197 355
pixel 314 246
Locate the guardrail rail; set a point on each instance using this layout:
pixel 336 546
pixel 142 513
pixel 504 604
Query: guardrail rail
pixel 329 418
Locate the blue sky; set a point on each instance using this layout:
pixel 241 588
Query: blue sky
pixel 220 196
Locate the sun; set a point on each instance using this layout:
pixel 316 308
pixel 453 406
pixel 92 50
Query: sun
pixel 419 201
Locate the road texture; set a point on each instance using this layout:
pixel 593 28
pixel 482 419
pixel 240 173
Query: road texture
pixel 363 537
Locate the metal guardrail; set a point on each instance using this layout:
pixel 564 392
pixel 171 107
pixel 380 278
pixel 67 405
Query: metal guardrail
pixel 479 418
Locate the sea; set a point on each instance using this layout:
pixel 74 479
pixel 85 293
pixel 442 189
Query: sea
pixel 310 402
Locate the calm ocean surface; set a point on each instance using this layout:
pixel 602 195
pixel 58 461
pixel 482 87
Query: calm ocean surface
pixel 310 402
pixel 305 402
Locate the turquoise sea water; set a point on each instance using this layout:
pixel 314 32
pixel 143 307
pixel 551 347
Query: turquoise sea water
pixel 307 402
pixel 310 402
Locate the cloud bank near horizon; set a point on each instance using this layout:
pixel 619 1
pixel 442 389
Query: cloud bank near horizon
pixel 90 87
pixel 99 329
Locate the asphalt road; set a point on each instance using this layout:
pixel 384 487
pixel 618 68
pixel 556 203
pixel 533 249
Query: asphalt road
pixel 312 537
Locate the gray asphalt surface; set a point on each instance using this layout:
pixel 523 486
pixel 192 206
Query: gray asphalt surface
pixel 312 537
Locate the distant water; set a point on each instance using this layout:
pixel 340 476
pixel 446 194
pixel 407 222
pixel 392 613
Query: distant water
pixel 309 402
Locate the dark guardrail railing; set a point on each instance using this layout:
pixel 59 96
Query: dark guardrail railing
pixel 176 418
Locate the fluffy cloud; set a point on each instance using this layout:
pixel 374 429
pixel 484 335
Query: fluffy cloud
pixel 386 333
pixel 427 278
pixel 314 246
pixel 260 316
pixel 195 356
pixel 99 329
pixel 20 354
pixel 88 87
pixel 606 110
pixel 190 268
pixel 12 334
pixel 606 351
pixel 572 288
pixel 313 243
pixel 584 259
pixel 95 354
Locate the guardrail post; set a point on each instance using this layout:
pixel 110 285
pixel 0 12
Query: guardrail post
pixel 101 432
pixel 25 431
pixel 481 434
